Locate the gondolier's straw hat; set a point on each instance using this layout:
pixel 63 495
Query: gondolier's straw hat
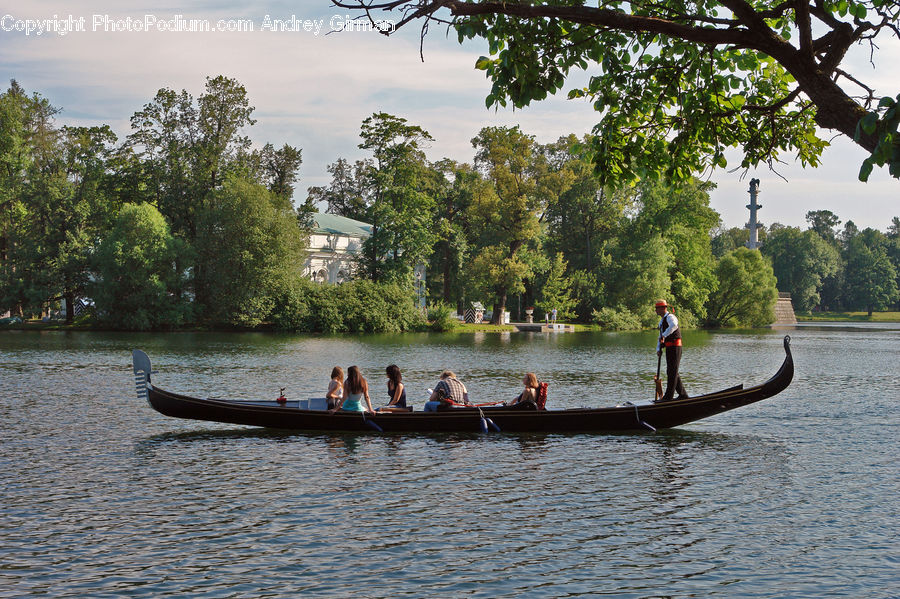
pixel 661 303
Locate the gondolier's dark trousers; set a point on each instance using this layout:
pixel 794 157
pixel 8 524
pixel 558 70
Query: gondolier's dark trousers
pixel 673 380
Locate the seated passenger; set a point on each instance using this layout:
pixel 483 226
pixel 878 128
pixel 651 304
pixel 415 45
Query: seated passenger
pixel 356 389
pixel 395 387
pixel 528 398
pixel 449 392
pixel 335 387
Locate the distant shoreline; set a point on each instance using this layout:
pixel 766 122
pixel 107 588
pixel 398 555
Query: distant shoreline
pixel 847 317
pixel 55 325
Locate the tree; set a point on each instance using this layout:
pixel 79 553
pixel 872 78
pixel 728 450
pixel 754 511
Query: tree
pixel 850 231
pixel 348 193
pixel 84 213
pixel 802 261
pixel 389 190
pixel 189 149
pixel 455 185
pixel 894 229
pixel 222 112
pixel 162 140
pixel 823 223
pixel 136 273
pixel 280 170
pixel 746 294
pixel 680 217
pixel 508 215
pixel 401 211
pixel 251 253
pixel 638 273
pixel 31 179
pixel 14 160
pixel 585 214
pixel 687 80
pixel 893 246
pixel 52 194
pixel 870 277
pixel 726 240
pixel 556 293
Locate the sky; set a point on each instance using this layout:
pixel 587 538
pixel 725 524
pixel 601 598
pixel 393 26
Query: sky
pixel 312 87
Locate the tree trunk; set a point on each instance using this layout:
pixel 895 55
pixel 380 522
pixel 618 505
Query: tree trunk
pixel 373 269
pixel 528 296
pixel 835 109
pixel 499 308
pixel 69 298
pixel 446 273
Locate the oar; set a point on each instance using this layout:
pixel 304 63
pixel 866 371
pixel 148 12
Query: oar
pixel 371 424
pixel 659 391
pixel 485 422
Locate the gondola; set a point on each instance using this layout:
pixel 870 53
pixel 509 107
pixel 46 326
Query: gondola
pixel 625 416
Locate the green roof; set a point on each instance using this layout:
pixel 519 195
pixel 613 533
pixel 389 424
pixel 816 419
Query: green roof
pixel 341 225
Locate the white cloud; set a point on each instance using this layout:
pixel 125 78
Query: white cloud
pixel 313 91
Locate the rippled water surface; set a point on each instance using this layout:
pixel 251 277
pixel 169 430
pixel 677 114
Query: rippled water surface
pixel 794 497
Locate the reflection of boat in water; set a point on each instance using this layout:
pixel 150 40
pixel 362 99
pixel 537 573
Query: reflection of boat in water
pixel 623 417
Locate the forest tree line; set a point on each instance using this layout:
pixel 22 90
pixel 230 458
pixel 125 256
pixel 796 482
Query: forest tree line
pixel 185 222
pixel 828 267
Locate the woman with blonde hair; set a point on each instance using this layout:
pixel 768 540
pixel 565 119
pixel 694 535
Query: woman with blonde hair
pixel 528 397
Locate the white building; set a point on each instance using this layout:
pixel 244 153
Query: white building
pixel 334 244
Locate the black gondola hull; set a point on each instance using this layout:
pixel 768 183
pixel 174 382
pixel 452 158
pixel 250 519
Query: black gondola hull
pixel 582 420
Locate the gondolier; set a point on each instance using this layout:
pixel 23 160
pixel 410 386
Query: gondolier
pixel 670 339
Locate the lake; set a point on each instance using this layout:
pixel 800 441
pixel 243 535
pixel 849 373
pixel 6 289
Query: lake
pixel 796 496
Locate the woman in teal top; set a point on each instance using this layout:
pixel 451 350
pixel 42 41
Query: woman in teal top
pixel 355 389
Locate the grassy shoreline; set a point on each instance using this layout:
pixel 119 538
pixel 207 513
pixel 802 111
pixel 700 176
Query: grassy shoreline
pixel 848 317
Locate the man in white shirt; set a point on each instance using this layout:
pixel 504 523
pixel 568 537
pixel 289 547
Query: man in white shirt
pixel 670 339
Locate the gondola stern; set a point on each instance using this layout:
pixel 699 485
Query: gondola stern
pixel 140 362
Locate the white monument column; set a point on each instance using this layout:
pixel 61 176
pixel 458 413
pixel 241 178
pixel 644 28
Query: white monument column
pixel 754 226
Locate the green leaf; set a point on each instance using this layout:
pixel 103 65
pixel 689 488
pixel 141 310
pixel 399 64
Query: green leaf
pixel 483 63
pixel 869 123
pixel 865 170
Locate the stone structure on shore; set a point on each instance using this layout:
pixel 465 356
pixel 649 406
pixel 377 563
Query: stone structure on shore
pixel 784 310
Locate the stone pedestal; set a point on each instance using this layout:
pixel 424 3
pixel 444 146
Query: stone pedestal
pixel 784 310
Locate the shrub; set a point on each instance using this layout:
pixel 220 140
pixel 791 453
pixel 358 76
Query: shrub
pixel 359 306
pixel 617 319
pixel 442 317
pixel 291 311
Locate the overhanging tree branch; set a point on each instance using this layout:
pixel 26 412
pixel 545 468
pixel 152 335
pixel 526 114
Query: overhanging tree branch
pixel 536 43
